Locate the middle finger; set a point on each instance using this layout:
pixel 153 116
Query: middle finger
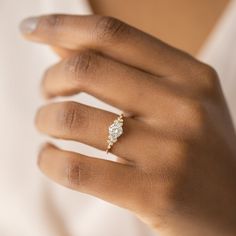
pixel 118 84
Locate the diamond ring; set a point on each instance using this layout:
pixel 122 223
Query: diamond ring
pixel 115 130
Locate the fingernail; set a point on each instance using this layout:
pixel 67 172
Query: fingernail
pixel 29 25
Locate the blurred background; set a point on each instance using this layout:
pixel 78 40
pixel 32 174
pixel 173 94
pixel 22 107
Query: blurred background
pixel 30 204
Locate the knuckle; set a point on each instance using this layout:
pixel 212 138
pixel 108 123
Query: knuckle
pixel 72 118
pixel 68 117
pixel 209 71
pixel 209 77
pixel 77 173
pixel 51 22
pixel 109 28
pixel 73 173
pixel 81 65
pixel 193 113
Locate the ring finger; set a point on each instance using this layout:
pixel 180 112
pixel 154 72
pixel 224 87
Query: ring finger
pixel 79 122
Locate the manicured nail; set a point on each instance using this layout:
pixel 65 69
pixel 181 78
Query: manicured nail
pixel 29 25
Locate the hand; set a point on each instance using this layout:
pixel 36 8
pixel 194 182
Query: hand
pixel 177 166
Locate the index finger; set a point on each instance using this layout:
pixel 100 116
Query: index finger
pixel 109 36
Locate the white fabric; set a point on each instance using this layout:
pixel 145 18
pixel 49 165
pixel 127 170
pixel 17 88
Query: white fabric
pixel 30 204
pixel 220 52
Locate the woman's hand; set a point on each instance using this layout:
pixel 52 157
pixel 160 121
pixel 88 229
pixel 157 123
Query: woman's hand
pixel 177 166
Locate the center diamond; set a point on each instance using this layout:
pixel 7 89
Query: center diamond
pixel 115 131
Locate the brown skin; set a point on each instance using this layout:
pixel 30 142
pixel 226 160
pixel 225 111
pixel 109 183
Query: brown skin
pixel 184 24
pixel 179 140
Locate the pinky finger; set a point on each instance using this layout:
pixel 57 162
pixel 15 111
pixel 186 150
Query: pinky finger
pixel 108 180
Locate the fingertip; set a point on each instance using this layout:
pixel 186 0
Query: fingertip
pixel 45 95
pixel 29 25
pixel 42 149
pixel 42 118
pixel 37 117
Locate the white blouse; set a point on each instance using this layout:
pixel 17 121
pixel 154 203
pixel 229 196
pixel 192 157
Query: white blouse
pixel 30 204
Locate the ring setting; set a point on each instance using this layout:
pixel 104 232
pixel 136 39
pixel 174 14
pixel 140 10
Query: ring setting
pixel 115 130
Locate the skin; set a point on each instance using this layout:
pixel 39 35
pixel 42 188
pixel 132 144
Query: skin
pixel 177 168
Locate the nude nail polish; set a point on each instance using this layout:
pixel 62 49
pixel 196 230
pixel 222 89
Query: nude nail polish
pixel 29 25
